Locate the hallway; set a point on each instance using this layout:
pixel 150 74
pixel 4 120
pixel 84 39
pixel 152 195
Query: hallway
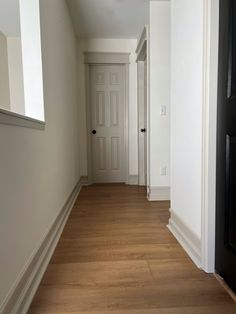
pixel 117 256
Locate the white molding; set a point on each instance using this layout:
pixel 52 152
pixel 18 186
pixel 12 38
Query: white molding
pixel 133 179
pixel 106 57
pixel 188 240
pixel 141 40
pixel 141 50
pixel 12 118
pixel 23 290
pixel 210 79
pixel 159 193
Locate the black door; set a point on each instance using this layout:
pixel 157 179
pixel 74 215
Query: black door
pixel 226 146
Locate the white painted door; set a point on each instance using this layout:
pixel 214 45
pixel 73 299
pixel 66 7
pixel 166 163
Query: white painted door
pixel 107 100
pixel 145 122
pixel 142 121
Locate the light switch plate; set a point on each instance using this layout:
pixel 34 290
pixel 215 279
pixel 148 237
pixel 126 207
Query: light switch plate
pixel 163 111
pixel 163 171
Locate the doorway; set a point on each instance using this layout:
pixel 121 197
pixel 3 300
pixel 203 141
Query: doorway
pixel 107 118
pixel 226 147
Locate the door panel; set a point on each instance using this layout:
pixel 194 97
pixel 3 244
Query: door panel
pixel 145 121
pixel 115 153
pixel 100 108
pixel 114 109
pixel 226 146
pixel 101 154
pixel 230 192
pixel 142 121
pixel 107 118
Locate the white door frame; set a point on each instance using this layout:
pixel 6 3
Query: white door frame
pixel 209 132
pixel 142 54
pixel 104 58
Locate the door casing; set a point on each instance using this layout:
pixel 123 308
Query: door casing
pixel 209 128
pixel 103 58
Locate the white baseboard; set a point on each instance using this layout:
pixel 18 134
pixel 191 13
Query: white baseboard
pixel 159 193
pixel 22 292
pixel 188 240
pixel 133 180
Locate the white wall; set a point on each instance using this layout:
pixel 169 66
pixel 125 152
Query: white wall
pixel 186 111
pixel 159 75
pixel 119 45
pixel 16 75
pixel 4 74
pixel 81 47
pixel 39 168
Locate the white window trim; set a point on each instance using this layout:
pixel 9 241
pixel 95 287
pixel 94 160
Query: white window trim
pixel 11 118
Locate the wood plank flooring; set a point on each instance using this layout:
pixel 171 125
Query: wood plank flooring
pixel 116 256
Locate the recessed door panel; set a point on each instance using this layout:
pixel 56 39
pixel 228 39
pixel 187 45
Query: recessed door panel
pixel 100 78
pixel 114 78
pixel 115 153
pixel 232 51
pixel 230 228
pixel 100 108
pixel 114 108
pixel 101 153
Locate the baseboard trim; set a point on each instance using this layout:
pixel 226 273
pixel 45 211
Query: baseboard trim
pixel 159 193
pixel 225 286
pixel 187 239
pixel 133 180
pixel 25 287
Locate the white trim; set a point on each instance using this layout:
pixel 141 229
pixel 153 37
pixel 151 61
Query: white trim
pixel 107 57
pixel 187 239
pixel 210 79
pixel 23 290
pixel 133 179
pixel 11 118
pixel 141 50
pixel 141 40
pixel 159 193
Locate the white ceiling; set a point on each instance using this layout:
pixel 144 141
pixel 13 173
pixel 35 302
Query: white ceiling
pixel 109 18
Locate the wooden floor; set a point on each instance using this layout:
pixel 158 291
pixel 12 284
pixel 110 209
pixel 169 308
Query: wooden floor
pixel 117 256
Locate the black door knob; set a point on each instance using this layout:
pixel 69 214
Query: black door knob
pixel 143 130
pixel 94 131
